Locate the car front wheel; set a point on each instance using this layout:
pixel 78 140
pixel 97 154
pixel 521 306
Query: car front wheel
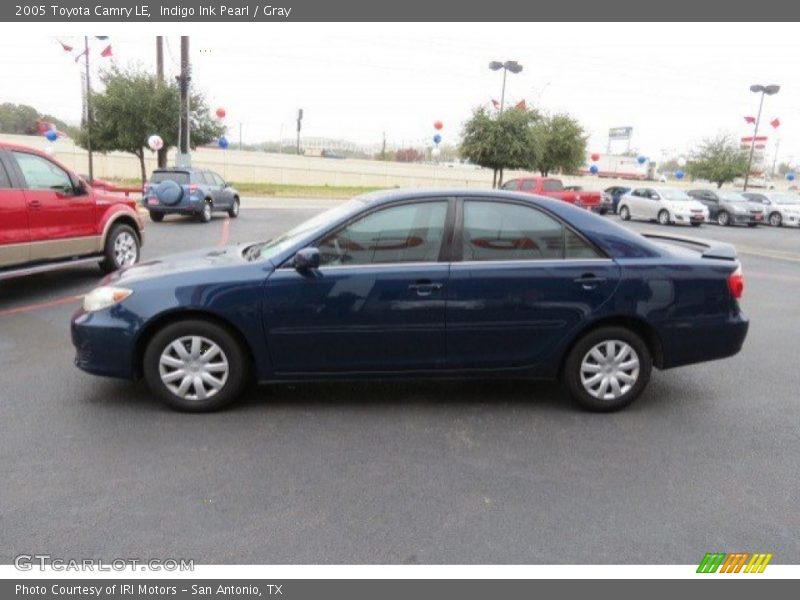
pixel 607 369
pixel 723 218
pixel 775 219
pixel 663 217
pixel 195 366
pixel 121 249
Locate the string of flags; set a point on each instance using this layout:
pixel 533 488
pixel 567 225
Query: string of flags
pixel 106 52
pixel 776 122
pixel 521 104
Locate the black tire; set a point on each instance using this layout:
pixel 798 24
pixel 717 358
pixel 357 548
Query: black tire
pixel 156 217
pixel 696 224
pixel 752 224
pixel 237 374
pixel 121 248
pixel 775 219
pixel 624 213
pixel 663 217
pixel 204 216
pixel 571 373
pixel 233 211
pixel 723 218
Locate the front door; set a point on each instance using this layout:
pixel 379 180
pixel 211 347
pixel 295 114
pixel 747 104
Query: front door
pixel 15 236
pixel 376 303
pixel 524 281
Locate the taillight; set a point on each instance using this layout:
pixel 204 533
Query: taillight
pixel 193 189
pixel 736 283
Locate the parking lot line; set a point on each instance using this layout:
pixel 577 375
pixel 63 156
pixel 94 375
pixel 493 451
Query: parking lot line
pixel 39 305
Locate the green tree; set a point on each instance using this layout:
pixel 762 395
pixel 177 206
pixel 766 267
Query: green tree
pixel 134 105
pixel 563 144
pixel 508 140
pixel 22 119
pixel 719 160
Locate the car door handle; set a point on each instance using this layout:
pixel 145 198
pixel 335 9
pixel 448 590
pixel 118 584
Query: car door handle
pixel 589 281
pixel 425 287
pixel 35 204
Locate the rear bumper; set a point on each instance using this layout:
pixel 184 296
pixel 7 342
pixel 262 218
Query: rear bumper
pixel 702 339
pixel 186 208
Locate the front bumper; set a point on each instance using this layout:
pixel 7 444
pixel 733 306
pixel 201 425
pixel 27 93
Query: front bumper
pixel 104 342
pixel 746 218
pixel 690 218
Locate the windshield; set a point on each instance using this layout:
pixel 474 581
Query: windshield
pixel 674 195
pixel 286 240
pixel 782 198
pixel 733 197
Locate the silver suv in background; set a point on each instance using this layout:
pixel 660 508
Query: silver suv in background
pixel 781 208
pixel 730 208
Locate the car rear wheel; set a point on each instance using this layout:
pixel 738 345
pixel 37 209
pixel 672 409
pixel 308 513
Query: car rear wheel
pixel 121 249
pixel 205 213
pixel 195 366
pixel 156 217
pixel 663 217
pixel 624 213
pixel 696 224
pixel 607 369
pixel 723 218
pixel 775 219
pixel 233 211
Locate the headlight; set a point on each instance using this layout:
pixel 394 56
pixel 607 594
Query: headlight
pixel 103 297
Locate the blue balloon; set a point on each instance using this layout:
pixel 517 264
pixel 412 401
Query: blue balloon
pixel 51 135
pixel 679 174
pixel 437 138
pixel 593 169
pixel 790 176
pixel 641 158
pixel 222 142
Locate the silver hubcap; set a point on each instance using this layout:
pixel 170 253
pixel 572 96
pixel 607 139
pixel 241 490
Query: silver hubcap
pixel 125 251
pixel 723 218
pixel 207 211
pixel 663 218
pixel 609 370
pixel 236 208
pixel 775 220
pixel 193 367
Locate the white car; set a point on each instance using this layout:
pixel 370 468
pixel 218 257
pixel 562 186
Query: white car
pixel 663 204
pixel 781 208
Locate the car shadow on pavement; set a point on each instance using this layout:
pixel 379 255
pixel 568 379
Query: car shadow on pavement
pixel 43 287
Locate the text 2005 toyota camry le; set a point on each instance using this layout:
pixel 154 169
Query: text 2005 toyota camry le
pixel 420 283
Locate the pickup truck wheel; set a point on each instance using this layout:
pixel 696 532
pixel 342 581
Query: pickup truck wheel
pixel 663 217
pixel 156 217
pixel 775 219
pixel 624 213
pixel 607 369
pixel 121 249
pixel 233 211
pixel 205 213
pixel 195 365
pixel 723 218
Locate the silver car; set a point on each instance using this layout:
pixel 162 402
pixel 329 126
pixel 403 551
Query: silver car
pixel 663 204
pixel 781 208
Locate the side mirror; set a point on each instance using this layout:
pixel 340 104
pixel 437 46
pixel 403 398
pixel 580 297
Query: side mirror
pixel 306 259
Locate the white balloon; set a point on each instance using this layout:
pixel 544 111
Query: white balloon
pixel 49 150
pixel 681 162
pixel 436 152
pixel 155 142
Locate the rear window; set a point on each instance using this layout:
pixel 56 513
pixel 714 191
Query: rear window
pixel 181 177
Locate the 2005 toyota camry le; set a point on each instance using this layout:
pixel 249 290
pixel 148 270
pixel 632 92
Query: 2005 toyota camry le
pixel 420 284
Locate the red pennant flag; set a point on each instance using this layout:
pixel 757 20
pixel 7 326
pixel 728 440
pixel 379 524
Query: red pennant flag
pixel 521 104
pixel 775 122
pixel 86 52
pixel 106 51
pixel 495 103
pixel 66 47
pixel 751 120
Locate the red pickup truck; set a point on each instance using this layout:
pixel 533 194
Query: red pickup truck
pixel 554 188
pixel 50 218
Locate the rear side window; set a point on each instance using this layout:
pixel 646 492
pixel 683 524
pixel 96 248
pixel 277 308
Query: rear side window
pixel 528 185
pixel 41 174
pixel 5 181
pixel 496 231
pixel 179 177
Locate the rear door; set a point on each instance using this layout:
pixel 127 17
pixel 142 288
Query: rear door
pixel 520 282
pixel 61 220
pixel 15 236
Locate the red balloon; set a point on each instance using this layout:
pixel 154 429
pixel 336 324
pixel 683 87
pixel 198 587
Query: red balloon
pixel 221 112
pixel 438 125
pixel 595 157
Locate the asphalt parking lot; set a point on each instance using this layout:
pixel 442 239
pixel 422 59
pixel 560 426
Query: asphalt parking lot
pixel 420 472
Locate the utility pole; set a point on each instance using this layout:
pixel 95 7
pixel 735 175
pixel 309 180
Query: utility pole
pixel 299 125
pixel 162 153
pixel 88 109
pixel 240 135
pixel 383 147
pixel 184 158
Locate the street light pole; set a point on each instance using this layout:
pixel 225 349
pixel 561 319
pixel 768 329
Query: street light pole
pixel 764 90
pixel 88 110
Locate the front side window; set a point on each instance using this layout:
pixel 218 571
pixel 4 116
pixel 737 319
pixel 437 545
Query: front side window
pixel 5 181
pixel 398 234
pixel 528 185
pixel 510 185
pixel 552 185
pixel 495 231
pixel 41 174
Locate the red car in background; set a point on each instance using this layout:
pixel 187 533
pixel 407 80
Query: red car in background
pixel 554 188
pixel 51 218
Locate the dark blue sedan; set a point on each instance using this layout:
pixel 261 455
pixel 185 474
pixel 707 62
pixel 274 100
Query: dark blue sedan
pixel 420 284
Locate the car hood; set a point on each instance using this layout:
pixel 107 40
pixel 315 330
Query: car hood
pixel 184 263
